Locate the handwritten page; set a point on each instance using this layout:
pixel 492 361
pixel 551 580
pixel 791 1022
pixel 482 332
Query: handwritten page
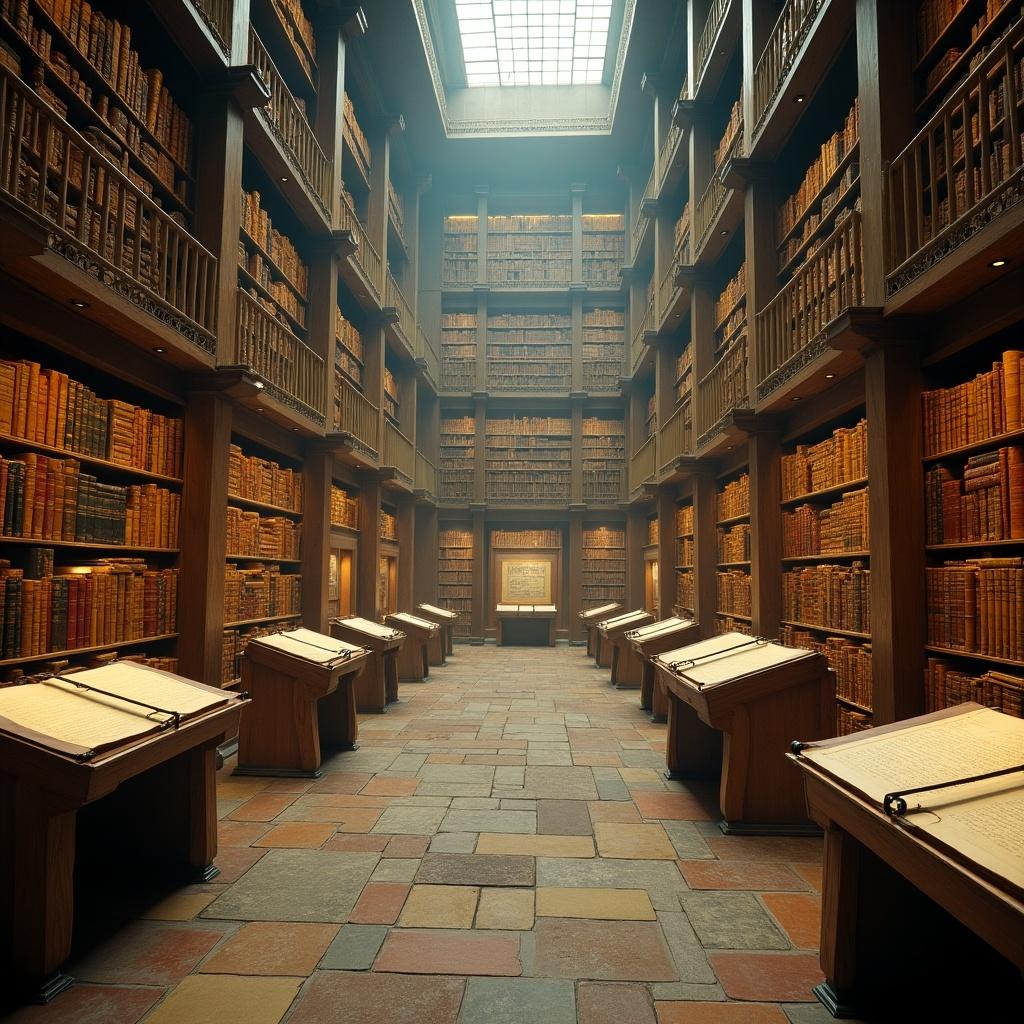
pixel 664 626
pixel 624 619
pixel 414 620
pixel 370 628
pixel 308 645
pixel 434 610
pixel 599 610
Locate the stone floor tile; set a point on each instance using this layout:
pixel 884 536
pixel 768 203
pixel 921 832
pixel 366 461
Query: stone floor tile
pixel 455 789
pixel 234 861
pixel 688 954
pixel 536 846
pixel 277 948
pixel 232 788
pixel 442 758
pixel 744 874
pixel 767 848
pixel 507 909
pixel 239 833
pixel 518 1001
pixel 564 818
pixel 520 822
pixel 769 977
pixel 440 906
pixel 417 821
pixel 506 775
pixel 799 914
pixel 359 843
pixel 216 998
pixel 602 951
pixel 453 842
pixel 262 807
pixel 179 906
pixel 545 783
pixel 640 842
pixel 601 1002
pixel 589 758
pixel 398 869
pixel 477 803
pixel 354 948
pixel 612 789
pixel 660 879
pixel 613 810
pixel 595 904
pixel 457 773
pixel 407 846
pixel 382 785
pixel 476 869
pixel 689 842
pixel 512 804
pixel 407 763
pixel 333 996
pixel 91 1004
pixel 379 903
pixel 675 806
pixel 496 760
pixel 297 835
pixel 719 1013
pixel 690 992
pixel 549 757
pixel 811 873
pixel 424 951
pixel 731 920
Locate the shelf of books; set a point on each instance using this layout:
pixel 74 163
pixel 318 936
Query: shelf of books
pixel 288 34
pixel 974 520
pixel 396 222
pixel 683 383
pixel 732 509
pixel 460 253
pixel 604 460
pixel 455 575
pixel 603 569
pixel 730 314
pixel 89 508
pixel 458 351
pixel 528 460
pixel 604 248
pixel 391 403
pixel 525 250
pixel 458 458
pixel 653 530
pixel 348 351
pixel 388 526
pixel 356 154
pixel 825 557
pixel 344 508
pixel 685 583
pixel 529 352
pixel 603 346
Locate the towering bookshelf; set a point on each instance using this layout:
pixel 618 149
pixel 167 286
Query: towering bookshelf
pixel 604 247
pixel 455 575
pixel 603 341
pixel 733 608
pixel 356 157
pixel 603 570
pixel 458 458
pixel 685 588
pixel 730 314
pixel 529 352
pixel 458 351
pixel 344 508
pixel 529 249
pixel 528 460
pixel 348 351
pixel 391 401
pixel 604 459
pixel 683 382
pixel 460 252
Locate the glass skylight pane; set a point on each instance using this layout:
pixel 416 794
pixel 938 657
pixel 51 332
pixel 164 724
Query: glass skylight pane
pixel 529 42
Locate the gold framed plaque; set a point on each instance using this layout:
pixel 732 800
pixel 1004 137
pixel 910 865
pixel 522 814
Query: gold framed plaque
pixel 525 581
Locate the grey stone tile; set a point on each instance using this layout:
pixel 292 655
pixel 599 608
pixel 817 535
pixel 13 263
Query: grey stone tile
pixel 407 763
pixel 549 757
pixel 464 790
pixel 354 948
pixel 453 842
pixel 612 789
pixel 518 1001
pixel 509 775
pixel 731 920
pixel 518 805
pixel 473 803
pixel 642 759
pixel 395 869
pixel 688 992
pixel 521 822
pixel 544 783
pixel 660 879
pixel 687 840
pixel 476 869
pixel 687 952
pixel 564 818
pixel 366 759
pixel 465 773
pixel 410 821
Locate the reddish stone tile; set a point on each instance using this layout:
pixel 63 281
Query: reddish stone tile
pixel 288 786
pixel 297 835
pixel 148 953
pixel 674 806
pixel 333 996
pixel 91 1004
pixel 799 914
pixel 384 786
pixel 772 977
pixel 341 782
pixel 349 800
pixel 407 846
pixel 262 807
pixel 602 950
pixel 602 1003
pixel 498 760
pixel 810 872
pixel 613 810
pixel 358 820
pixel 445 758
pixel 239 833
pixel 426 951
pixel 588 759
pixel 358 843
pixel 379 903
pixel 272 948
pixel 751 875
pixel 234 861
pixel 719 1013
pixel 767 848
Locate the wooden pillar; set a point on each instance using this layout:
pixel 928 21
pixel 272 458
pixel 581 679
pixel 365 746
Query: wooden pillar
pixel 765 451
pixel 316 536
pixel 481 192
pixel 666 549
pixel 576 470
pixel 705 554
pixel 330 99
pixel 369 548
pixel 424 555
pixel 636 539
pixel 577 632
pixel 405 509
pixel 480 422
pixel 479 575
pixel 576 295
pixel 373 376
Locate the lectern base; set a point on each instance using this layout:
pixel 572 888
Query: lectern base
pixel 830 999
pixel 768 828
pixel 51 988
pixel 206 874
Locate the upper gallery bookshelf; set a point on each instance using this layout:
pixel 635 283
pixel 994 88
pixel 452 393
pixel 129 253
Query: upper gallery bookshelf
pixel 529 250
pixel 455 575
pixel 458 458
pixel 529 351
pixel 603 341
pixel 604 460
pixel 604 248
pixel 348 350
pixel 732 509
pixel 603 569
pixel 458 351
pixel 460 252
pixel 685 589
pixel 528 460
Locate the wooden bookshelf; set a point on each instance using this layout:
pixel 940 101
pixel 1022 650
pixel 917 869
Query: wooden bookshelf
pixel 528 460
pixel 730 313
pixel 685 555
pixel 391 401
pixel 458 351
pixel 529 352
pixel 603 569
pixel 458 458
pixel 348 351
pixel 356 152
pixel 344 508
pixel 603 349
pixel 732 510
pixel 604 248
pixel 529 250
pixel 604 459
pixel 388 526
pixel 455 576
pixel 460 254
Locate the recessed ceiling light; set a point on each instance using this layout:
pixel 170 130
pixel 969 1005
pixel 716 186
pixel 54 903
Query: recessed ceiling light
pixel 284 179
pixel 795 398
pixel 723 232
pixel 259 385
pixel 829 376
pixel 79 304
pixel 728 447
pixel 259 408
pixel 1001 262
pixel 799 98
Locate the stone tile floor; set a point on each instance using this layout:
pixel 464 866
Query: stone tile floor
pixel 503 847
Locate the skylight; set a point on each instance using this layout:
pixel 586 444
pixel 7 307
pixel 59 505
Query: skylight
pixel 533 42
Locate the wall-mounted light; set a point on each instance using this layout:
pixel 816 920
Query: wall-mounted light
pixel 1001 262
pixel 79 304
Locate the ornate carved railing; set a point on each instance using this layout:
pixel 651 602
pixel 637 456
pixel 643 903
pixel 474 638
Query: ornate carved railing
pixel 426 474
pixel 637 346
pixel 961 170
pixel 676 436
pixel 722 390
pixel 217 14
pixel 830 282
pixel 706 41
pixel 787 37
pixel 711 202
pixel 643 463
pixel 99 221
pixel 650 192
pixel 355 414
pixel 287 120
pixel 396 300
pixel 366 256
pixel 292 371
pixel 399 452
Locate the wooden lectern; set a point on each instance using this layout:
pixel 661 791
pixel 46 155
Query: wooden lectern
pixel 302 686
pixel 647 641
pixel 625 666
pixel 377 685
pixel 446 620
pixel 421 636
pixel 519 621
pixel 591 617
pixel 603 650
pixel 758 695
pixel 139 747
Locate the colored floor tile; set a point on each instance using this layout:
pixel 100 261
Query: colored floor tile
pixel 749 875
pixel 333 996
pixel 214 999
pixel 422 951
pixel 379 903
pixel 272 948
pixel 765 977
pixel 596 904
pixel 440 906
pixel 799 915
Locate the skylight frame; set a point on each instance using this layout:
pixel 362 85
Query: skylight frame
pixel 514 43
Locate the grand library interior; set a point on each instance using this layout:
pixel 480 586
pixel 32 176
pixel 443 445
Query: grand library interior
pixel 512 511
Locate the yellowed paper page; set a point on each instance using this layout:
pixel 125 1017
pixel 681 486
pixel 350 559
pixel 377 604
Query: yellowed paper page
pixel 414 620
pixel 371 628
pixel 308 645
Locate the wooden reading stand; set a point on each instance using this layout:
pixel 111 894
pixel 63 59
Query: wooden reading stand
pixel 166 812
pixel 591 617
pixel 446 620
pixel 626 667
pixel 603 650
pixel 299 703
pixel 734 702
pixel 646 642
pixel 894 901
pixel 421 636
pixel 377 685
pixel 512 614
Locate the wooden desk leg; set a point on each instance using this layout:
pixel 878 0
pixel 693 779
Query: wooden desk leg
pixel 391 677
pixel 371 684
pixel 602 652
pixel 551 632
pixel 449 639
pixel 614 662
pixel 590 641
pixel 202 787
pixel 628 666
pixel 659 699
pixel 278 734
pixel 425 659
pixel 693 750
pixel 337 718
pixel 500 633
pixel 646 686
pixel 839 901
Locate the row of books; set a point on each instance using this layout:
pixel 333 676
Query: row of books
pixel 388 526
pixel 604 247
pixel 684 520
pixel 253 535
pixel 356 135
pixel 529 223
pixel 260 591
pixel 514 376
pixel 52 499
pixel 731 135
pixel 518 271
pixel 278 246
pixel 987 406
pixel 839 459
pixel 841 527
pixel 344 508
pixel 733 592
pixel 556 247
pixel 686 551
pixel 653 530
pixel 685 591
pixel 986 504
pixel 612 222
pixel 933 18
pixel 233 647
pixel 829 596
pixel 345 332
pixel 278 293
pixel 462 578
pixel 604 485
pixel 681 232
pixel 602 369
pixel 792 247
pixel 735 291
pixel 530 427
pixel 455 575
pixel 977 606
pixel 47 407
pixel 457 483
pixel 734 543
pixel 255 479
pixel 849 660
pixel 602 270
pixel 526 538
pixel 946 686
pixel 734 498
pixel 599 593
pixel 91 604
pixel 537 488
pixel 849 721
pixel 727 624
pixel 612 319
pixel 513 322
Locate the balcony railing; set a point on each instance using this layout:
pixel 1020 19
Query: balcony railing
pixel 711 202
pixel 356 415
pixel 646 326
pixel 643 463
pixel 287 120
pixel 676 436
pixel 396 300
pixel 640 225
pixel 783 45
pixel 426 474
pixel 99 221
pixel 942 189
pixel 399 452
pixel 830 282
pixel 292 371
pixel 706 41
pixel 722 390
pixel 217 14
pixel 426 351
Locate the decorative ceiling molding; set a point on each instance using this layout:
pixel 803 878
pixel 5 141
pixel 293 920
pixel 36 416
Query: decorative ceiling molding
pixel 455 127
